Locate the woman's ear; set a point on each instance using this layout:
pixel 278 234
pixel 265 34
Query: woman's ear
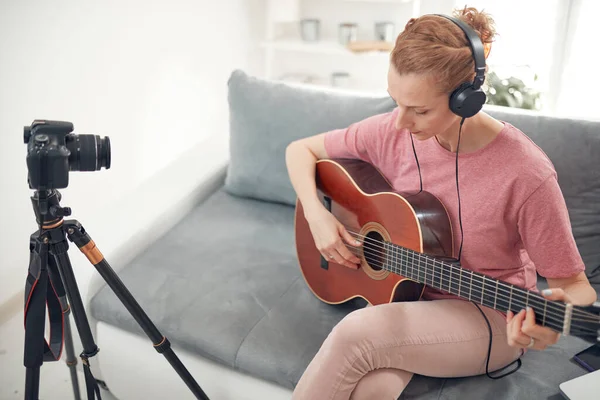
pixel 487 47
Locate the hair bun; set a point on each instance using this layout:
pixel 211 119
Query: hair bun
pixel 481 22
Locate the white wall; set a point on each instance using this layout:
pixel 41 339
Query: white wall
pixel 150 74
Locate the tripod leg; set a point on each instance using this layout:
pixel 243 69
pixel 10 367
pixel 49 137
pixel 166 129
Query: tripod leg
pixel 71 360
pixel 77 234
pixel 65 269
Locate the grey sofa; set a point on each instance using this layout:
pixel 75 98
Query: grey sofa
pixel 224 283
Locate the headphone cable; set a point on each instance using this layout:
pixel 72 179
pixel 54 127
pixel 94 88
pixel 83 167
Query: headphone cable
pixel 417 161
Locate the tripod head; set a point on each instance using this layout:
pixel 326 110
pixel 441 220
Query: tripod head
pixel 53 151
pixel 46 205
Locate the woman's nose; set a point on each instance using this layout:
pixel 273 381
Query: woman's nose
pixel 402 120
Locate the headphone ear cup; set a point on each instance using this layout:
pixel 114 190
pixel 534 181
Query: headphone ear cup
pixel 466 101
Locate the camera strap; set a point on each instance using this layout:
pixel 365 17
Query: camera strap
pixel 39 279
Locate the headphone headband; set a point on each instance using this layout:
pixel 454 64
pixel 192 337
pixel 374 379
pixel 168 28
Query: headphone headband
pixel 477 49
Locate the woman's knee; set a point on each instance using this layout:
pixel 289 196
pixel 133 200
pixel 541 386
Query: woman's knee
pixel 349 341
pixel 381 384
pixel 358 336
pixel 352 330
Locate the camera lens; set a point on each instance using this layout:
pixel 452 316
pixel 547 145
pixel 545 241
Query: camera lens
pixel 88 152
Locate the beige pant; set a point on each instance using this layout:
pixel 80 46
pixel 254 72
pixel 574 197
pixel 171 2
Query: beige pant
pixel 373 352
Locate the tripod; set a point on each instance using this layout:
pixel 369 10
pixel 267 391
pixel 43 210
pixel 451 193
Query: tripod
pixel 50 278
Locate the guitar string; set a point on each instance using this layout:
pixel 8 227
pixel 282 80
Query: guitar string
pixel 515 295
pixel 558 318
pixel 576 312
pixel 440 264
pixel 549 313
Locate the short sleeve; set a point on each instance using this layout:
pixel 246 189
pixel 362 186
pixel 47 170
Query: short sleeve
pixel 361 140
pixel 545 230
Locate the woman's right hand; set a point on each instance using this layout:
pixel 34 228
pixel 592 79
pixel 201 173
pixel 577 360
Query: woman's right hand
pixel 329 235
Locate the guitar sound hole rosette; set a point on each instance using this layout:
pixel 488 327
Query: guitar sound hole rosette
pixel 374 251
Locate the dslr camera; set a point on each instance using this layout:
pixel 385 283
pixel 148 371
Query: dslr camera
pixel 53 151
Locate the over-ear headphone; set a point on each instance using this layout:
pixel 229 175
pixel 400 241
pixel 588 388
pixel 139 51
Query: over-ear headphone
pixel 467 99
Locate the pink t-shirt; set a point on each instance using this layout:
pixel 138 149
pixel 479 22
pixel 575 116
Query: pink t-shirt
pixel 514 216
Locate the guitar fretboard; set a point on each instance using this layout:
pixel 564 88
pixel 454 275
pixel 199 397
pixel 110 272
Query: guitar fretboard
pixel 471 285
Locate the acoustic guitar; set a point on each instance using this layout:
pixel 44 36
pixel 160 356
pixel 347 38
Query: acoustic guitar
pixel 407 243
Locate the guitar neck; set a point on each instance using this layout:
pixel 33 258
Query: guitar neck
pixel 475 287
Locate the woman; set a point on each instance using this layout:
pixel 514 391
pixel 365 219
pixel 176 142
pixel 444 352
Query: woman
pixel 512 212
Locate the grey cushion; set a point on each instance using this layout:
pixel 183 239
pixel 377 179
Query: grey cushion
pixel 574 148
pixel 225 284
pixel 266 116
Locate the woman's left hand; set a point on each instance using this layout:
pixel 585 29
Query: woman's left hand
pixel 523 332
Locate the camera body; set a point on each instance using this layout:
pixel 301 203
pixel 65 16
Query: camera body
pixel 53 150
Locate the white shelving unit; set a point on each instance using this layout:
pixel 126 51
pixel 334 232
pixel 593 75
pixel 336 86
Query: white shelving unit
pixel 287 55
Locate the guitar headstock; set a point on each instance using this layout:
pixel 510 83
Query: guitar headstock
pixel 585 322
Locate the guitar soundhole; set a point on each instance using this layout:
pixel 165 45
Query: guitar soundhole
pixel 374 250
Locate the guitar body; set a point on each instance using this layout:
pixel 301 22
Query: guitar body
pixel 365 203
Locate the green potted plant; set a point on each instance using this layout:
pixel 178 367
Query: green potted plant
pixel 511 92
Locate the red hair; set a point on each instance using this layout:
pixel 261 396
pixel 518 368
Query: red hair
pixel 436 46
